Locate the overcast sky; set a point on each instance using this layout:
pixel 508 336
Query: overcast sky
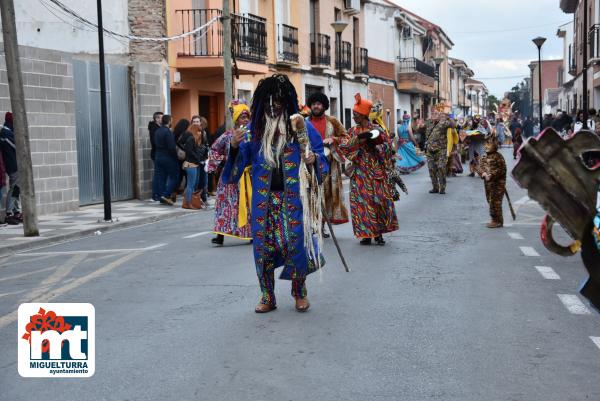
pixel 494 37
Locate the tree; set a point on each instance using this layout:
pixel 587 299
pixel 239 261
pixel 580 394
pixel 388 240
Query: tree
pixel 492 102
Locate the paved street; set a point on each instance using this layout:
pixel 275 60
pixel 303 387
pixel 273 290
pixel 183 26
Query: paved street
pixel 447 310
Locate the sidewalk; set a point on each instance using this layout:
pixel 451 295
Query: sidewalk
pixel 88 220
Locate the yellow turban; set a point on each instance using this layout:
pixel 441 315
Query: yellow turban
pixel 237 109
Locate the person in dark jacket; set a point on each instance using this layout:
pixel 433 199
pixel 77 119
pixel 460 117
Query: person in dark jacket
pixel 9 154
pixel 528 128
pixel 152 127
pixel 195 154
pixel 167 164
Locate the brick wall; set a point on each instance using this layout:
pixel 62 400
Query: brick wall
pixel 382 69
pixel 148 60
pixel 48 85
pixel 147 19
pixel 385 94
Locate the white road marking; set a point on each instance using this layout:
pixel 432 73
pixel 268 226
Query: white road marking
pixel 11 293
pixel 27 274
pixel 574 304
pixel 48 296
pixel 548 273
pixel 515 235
pixel 150 248
pixel 197 235
pixel 529 251
pixel 596 341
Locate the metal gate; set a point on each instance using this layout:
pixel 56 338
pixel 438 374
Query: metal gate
pixel 89 131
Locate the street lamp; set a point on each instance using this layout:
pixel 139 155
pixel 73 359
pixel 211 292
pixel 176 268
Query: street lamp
pixel 539 42
pixel 466 111
pixel 532 67
pixel 438 61
pixel 338 27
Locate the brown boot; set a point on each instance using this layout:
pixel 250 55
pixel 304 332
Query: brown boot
pixel 185 204
pixel 302 304
pixel 264 308
pixel 494 224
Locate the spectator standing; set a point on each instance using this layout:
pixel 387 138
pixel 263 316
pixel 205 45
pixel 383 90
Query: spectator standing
pixel 167 163
pixel 201 174
pixel 194 153
pixel 152 127
pixel 9 154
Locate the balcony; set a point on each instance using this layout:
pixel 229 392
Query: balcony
pixel 415 76
pixel 361 61
pixel 573 68
pixel 568 6
pixel 320 50
pixel 346 57
pixel 287 44
pixel 352 7
pixel 594 43
pixel 205 49
pixel 249 38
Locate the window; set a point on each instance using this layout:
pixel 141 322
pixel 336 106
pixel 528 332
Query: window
pixel 333 107
pixel 314 16
pixel 245 95
pixel 337 14
pixel 348 118
pixel 310 89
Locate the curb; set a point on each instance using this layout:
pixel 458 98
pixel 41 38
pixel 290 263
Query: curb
pixel 12 249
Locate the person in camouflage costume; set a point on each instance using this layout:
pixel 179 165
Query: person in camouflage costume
pixel 493 168
pixel 436 148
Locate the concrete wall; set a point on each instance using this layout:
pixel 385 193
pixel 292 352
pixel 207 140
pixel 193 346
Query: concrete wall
pixel 38 27
pixel 49 94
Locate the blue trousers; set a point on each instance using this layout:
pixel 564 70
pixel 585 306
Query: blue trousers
pixel 167 173
pixel 190 183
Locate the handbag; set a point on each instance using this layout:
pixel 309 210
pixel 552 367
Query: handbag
pixel 180 153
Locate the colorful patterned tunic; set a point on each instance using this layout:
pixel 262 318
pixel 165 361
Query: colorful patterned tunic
pixel 228 195
pixel 371 199
pixel 290 235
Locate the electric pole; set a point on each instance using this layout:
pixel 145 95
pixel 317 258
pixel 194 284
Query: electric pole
pixel 21 128
pixel 227 75
pixel 104 119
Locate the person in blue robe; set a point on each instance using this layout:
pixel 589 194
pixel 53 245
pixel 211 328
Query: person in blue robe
pixel 273 152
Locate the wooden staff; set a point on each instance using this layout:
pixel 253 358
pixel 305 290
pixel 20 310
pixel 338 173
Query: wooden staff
pixel 337 245
pixel 510 206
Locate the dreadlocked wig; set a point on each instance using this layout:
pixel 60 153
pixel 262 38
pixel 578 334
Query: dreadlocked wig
pixel 279 88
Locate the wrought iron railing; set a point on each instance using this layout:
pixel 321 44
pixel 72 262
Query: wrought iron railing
pixel 207 43
pixel 248 35
pixel 287 43
pixel 407 65
pixel 320 49
pixel 346 59
pixel 361 61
